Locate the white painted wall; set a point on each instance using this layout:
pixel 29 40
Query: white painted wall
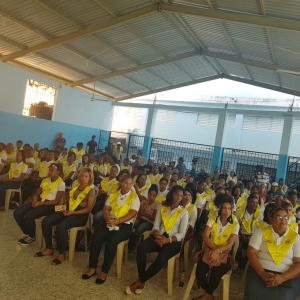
pixel 71 106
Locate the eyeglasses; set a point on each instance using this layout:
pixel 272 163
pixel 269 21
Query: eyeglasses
pixel 285 218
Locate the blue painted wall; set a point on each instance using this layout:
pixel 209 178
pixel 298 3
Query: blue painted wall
pixel 32 130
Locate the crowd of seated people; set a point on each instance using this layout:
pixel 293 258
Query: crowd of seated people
pixel 127 199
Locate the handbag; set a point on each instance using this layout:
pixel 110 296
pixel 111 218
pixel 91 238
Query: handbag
pixel 223 258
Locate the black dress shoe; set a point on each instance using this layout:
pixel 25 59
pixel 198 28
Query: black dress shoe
pixel 100 281
pixel 86 276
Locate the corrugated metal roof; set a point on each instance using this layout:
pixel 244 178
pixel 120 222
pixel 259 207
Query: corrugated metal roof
pixel 153 37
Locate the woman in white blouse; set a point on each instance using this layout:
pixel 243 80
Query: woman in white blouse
pixel 231 177
pixel 192 211
pixel 274 256
pixel 46 197
pixel 219 236
pixel 14 177
pixel 119 212
pixel 169 229
pixel 142 186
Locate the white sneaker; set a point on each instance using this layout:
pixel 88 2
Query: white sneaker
pixel 22 239
pixel 27 241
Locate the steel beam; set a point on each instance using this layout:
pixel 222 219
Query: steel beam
pixel 83 32
pixel 232 16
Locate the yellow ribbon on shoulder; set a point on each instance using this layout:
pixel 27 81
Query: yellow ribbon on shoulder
pixel 10 155
pixel 43 169
pixel 121 211
pixel 145 187
pixel 223 238
pixel 253 220
pixel 123 167
pixel 169 222
pixel 260 224
pixel 190 208
pixel 155 179
pixel 78 154
pixel 278 252
pixel 49 189
pixel 293 226
pixel 160 199
pixel 12 173
pixel 242 201
pixel 106 184
pixel 73 203
pixel 68 169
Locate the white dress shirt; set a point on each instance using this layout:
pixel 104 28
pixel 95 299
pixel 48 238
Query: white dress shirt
pixel 180 227
pixel 192 215
pixel 264 256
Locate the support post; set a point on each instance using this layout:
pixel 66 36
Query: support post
pixel 150 126
pixel 284 148
pixel 219 141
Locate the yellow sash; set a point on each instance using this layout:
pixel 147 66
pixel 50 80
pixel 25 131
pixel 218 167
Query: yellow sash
pixel 144 188
pixel 260 224
pixel 121 211
pixel 222 239
pixel 253 220
pixel 73 203
pixel 169 222
pixel 242 201
pixel 155 179
pixel 10 155
pixel 78 154
pixel 68 169
pixel 12 173
pixel 43 169
pixel 278 252
pixel 293 226
pixel 123 167
pixel 35 154
pixel 106 184
pixel 49 189
pixel 190 208
pixel 160 199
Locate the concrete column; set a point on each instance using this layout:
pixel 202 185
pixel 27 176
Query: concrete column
pixel 237 132
pixel 284 147
pixel 219 141
pixel 150 127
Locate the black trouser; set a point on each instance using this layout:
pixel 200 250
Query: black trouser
pixel 100 202
pixel 112 239
pixel 64 224
pixel 25 216
pixel 241 255
pixel 164 254
pixel 68 182
pixel 210 283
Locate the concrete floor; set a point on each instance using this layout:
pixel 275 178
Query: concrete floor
pixel 25 276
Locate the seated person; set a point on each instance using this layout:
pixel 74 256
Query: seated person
pixel 126 165
pixel 186 202
pixel 69 169
pixel 100 170
pixel 166 175
pixel 274 266
pixel 162 190
pixel 172 183
pixel 247 218
pixel 10 157
pixel 289 209
pixel 80 204
pixel 169 229
pixel 39 158
pixel 79 152
pixel 267 217
pixel 145 218
pixel 201 197
pixel 154 176
pixel 119 212
pixel 56 159
pixel 14 177
pixel 141 187
pixel 219 237
pixel 47 196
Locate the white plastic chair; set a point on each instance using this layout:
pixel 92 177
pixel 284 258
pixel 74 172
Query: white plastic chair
pixel 8 195
pixel 226 277
pixel 173 263
pixel 186 249
pixel 72 239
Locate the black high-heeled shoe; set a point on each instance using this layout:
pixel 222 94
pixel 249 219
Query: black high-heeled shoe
pixel 86 276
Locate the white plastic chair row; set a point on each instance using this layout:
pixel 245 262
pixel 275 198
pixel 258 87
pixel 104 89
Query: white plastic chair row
pixel 225 278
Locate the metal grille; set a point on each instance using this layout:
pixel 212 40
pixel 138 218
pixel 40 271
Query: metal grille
pixel 293 172
pixel 132 144
pixel 195 155
pixel 39 100
pixel 247 162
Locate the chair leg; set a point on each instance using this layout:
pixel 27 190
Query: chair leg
pixel 126 253
pixel 120 252
pixel 85 240
pixel 176 267
pixel 72 241
pixel 186 255
pixel 7 200
pixel 171 263
pixel 20 196
pixel 190 283
pixel 226 283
